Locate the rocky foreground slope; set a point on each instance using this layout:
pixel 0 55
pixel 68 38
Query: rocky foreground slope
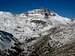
pixel 40 32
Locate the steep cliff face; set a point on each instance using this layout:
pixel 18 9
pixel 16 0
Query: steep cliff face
pixel 36 32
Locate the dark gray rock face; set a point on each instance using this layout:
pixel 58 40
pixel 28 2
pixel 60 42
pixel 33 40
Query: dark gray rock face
pixel 9 45
pixel 6 39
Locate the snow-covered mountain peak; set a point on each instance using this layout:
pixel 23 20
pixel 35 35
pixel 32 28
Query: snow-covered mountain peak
pixel 35 28
pixel 32 23
pixel 45 14
pixel 41 11
pixel 38 12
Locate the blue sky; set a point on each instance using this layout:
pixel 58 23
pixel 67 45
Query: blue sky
pixel 62 7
